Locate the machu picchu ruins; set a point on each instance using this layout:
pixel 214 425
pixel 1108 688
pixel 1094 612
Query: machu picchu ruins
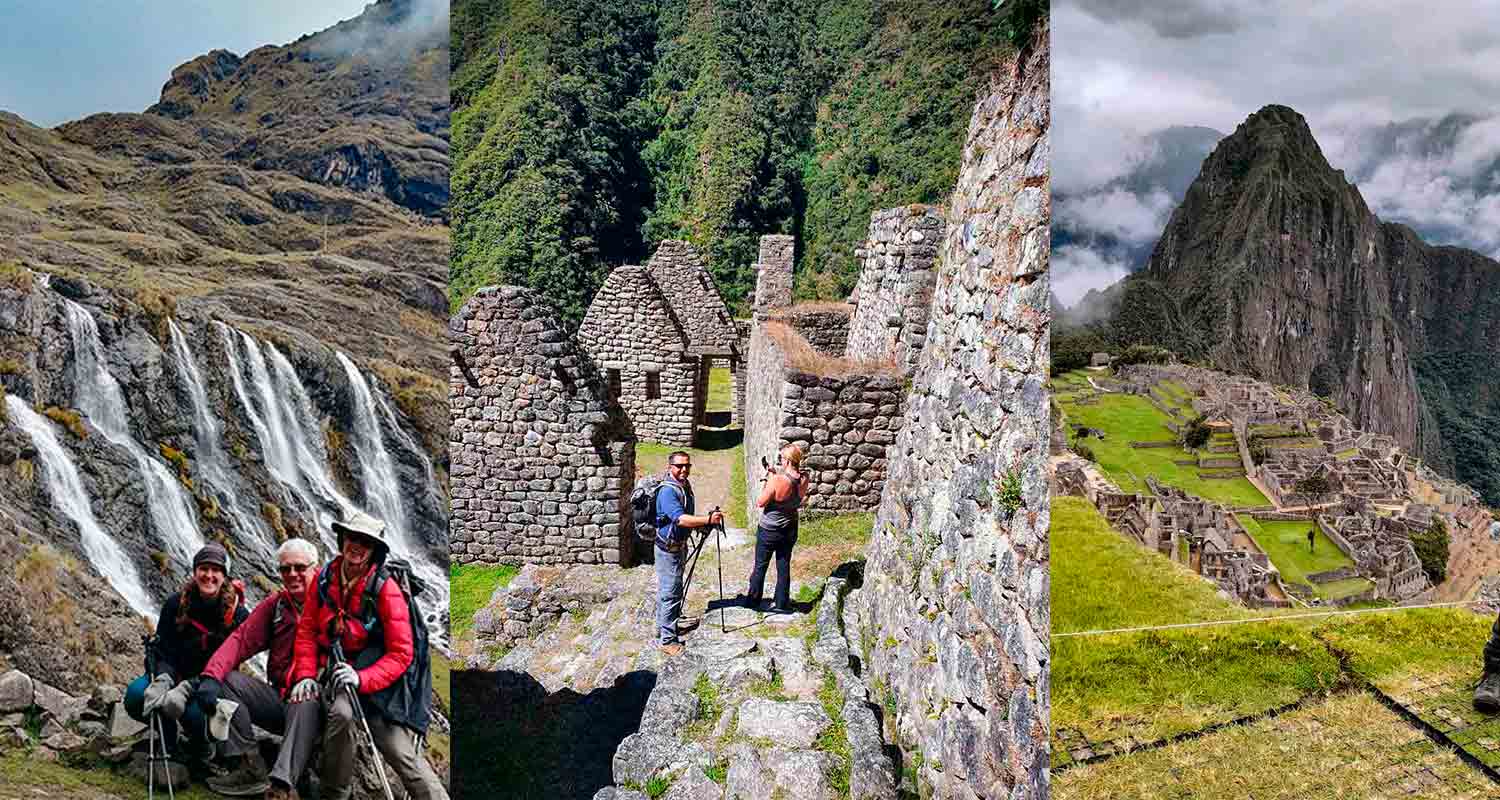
pixel 1361 491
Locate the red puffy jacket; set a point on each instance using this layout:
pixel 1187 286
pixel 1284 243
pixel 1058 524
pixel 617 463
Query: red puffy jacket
pixel 314 643
pixel 271 626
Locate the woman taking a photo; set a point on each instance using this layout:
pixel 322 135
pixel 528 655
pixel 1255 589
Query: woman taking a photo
pixel 783 494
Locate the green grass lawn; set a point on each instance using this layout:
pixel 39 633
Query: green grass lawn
pixel 1127 418
pixel 1112 582
pixel 1286 544
pixel 1154 684
pixel 469 589
pixel 720 390
pixel 838 529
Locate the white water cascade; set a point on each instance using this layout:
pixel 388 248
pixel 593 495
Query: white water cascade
pixel 208 433
pixel 382 484
pixel 97 394
pixel 68 496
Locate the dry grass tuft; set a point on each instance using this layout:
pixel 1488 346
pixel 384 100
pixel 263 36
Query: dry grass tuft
pixel 803 357
pixel 69 419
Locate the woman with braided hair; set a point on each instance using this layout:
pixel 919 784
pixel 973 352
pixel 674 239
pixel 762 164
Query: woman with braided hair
pixel 193 623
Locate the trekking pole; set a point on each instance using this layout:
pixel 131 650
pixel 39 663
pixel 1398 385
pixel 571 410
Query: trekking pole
pixel 359 714
pixel 719 546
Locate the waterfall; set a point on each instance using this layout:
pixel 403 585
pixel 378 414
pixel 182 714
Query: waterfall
pixel 68 496
pixel 213 462
pixel 307 437
pixel 97 394
pixel 382 486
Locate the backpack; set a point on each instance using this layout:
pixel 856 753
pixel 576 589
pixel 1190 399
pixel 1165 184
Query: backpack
pixel 643 505
pixel 408 701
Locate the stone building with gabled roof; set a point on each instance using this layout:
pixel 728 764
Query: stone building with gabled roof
pixel 654 333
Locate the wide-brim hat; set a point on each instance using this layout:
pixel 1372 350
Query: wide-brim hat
pixel 364 525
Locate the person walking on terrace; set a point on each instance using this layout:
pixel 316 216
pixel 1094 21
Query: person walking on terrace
pixel 356 607
pixel 271 628
pixel 785 489
pixel 675 521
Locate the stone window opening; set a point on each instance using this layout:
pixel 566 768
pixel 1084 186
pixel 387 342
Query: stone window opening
pixel 614 384
pixel 653 385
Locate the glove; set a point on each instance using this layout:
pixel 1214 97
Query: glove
pixel 305 690
pixel 207 695
pixel 174 702
pixel 345 675
pixel 158 689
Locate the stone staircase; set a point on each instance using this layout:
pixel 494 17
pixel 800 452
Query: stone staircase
pixel 753 713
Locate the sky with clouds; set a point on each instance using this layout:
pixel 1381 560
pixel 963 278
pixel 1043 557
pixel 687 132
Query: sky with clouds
pixel 1123 69
pixel 61 61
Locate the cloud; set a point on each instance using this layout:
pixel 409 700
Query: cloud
pixel 1076 269
pixel 1417 134
pixel 1116 212
pixel 1172 19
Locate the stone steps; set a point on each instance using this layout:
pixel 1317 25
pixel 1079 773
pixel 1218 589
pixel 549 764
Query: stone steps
pixel 754 711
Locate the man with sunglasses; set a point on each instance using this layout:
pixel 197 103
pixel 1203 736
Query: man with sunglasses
pixel 674 521
pixel 271 628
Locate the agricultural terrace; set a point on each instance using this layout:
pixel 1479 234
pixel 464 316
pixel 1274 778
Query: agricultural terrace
pixel 1300 707
pixel 1126 418
pixel 1286 545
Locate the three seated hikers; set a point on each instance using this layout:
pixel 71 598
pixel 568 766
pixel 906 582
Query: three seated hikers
pixel 347 662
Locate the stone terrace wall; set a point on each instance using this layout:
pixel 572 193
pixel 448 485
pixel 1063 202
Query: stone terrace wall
pixel 682 274
pixel 843 423
pixel 825 326
pixel 895 284
pixel 957 582
pixel 542 464
pixel 630 328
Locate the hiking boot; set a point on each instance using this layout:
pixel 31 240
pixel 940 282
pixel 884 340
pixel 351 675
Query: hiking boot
pixel 673 650
pixel 280 791
pixel 685 624
pixel 1487 693
pixel 246 780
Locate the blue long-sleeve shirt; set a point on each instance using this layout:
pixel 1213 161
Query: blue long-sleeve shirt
pixel 669 509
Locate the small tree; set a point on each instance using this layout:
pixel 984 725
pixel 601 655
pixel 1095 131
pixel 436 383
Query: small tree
pixel 1196 433
pixel 1431 546
pixel 1315 485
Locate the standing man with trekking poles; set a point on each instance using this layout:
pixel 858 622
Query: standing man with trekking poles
pixel 674 506
pixel 360 630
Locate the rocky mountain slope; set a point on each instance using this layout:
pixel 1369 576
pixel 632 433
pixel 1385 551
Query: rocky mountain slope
pixel 222 318
pixel 1274 266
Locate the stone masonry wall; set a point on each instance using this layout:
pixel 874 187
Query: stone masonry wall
pixel 682 275
pixel 773 279
pixel 956 583
pixel 843 423
pixel 824 326
pixel 630 330
pixel 542 462
pixel 895 284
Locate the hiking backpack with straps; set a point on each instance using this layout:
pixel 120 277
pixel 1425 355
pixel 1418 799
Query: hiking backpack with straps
pixel 643 505
pixel 408 701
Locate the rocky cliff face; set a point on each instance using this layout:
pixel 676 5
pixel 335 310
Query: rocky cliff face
pixel 1274 266
pixel 222 318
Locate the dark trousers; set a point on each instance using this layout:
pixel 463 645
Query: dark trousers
pixel 780 544
pixel 259 705
pixel 1492 648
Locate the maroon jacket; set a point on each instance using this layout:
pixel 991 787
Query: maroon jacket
pixel 271 626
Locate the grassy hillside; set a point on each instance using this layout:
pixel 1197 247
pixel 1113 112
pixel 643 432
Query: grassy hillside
pixel 1115 692
pixel 585 133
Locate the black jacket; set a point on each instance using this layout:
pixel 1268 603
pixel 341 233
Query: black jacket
pixel 183 651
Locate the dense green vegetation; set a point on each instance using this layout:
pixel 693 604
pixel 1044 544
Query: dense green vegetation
pixel 585 133
pixel 1432 550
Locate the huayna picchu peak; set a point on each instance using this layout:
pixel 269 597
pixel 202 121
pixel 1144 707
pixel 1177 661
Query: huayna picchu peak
pixel 1273 266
